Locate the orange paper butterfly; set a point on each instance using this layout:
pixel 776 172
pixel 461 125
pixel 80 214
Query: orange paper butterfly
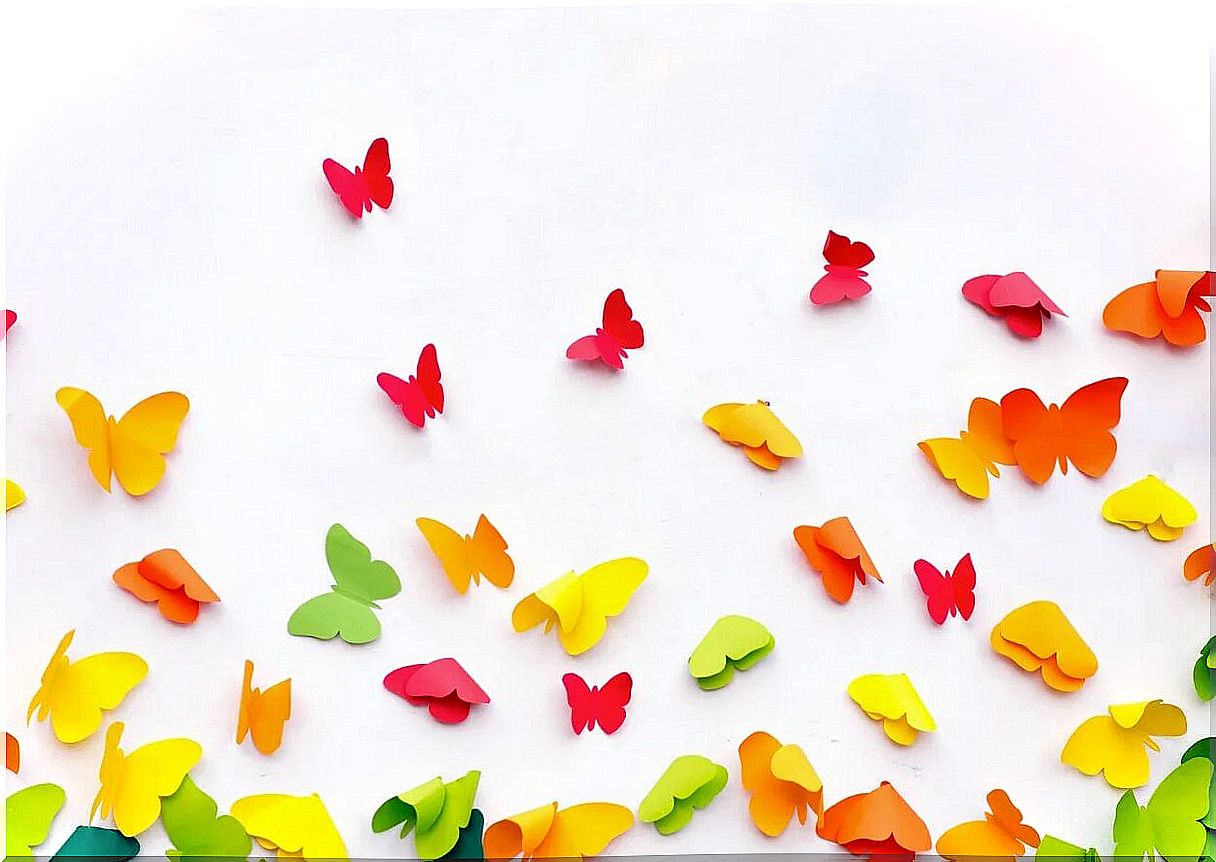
pixel 263 712
pixel 876 824
pixel 1000 835
pixel 835 551
pixel 164 577
pixel 1199 565
pixel 1168 306
pixel 466 558
pixel 782 783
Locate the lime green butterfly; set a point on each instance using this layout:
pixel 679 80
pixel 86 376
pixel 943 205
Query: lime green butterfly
pixel 30 812
pixel 1057 848
pixel 190 821
pixel 1205 671
pixel 359 582
pixel 1171 825
pixel 1206 749
pixel 98 844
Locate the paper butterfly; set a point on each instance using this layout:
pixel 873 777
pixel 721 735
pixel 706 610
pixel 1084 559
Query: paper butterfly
pixel 1203 676
pixel 193 823
pixel 74 694
pixel 466 558
pixel 1153 506
pixel 580 605
pixel 757 429
pixel 733 643
pixel 443 686
pixel 1057 848
pixel 10 317
pixel 1079 431
pixel 1014 297
pixel 688 785
pixel 1168 306
pixel 98 844
pixel 263 713
pixel 948 594
pixel 1199 564
pixel 572 833
pixel 604 706
pixel 619 333
pixel 132 447
pixel 1205 749
pixel 421 397
pixel 844 279
pixel 132 785
pixel 29 814
pixel 893 700
pixel 14 496
pixel 296 826
pixel 1115 744
pixel 1000 835
pixel 436 812
pixel 877 824
pixel 781 781
pixel 969 458
pixel 1038 637
pixel 12 753
pixel 166 579
pixel 836 552
pixel 359 582
pixel 367 185
pixel 1171 825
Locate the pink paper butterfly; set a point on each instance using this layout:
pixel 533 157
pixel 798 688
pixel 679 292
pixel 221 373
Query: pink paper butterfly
pixel 844 271
pixel 619 333
pixel 419 397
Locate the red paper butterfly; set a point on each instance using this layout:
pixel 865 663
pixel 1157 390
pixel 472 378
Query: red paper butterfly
pixel 619 333
pixel 948 594
pixel 604 706
pixel 10 317
pixel 419 397
pixel 367 185
pixel 844 271
pixel 443 686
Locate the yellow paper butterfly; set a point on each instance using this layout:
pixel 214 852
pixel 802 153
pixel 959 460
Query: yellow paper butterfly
pixel 73 694
pixel 14 496
pixel 132 447
pixel 1150 505
pixel 892 700
pixel 765 440
pixel 468 558
pixel 580 604
pixel 547 832
pixel 1116 744
pixel 132 784
pixel 968 459
pixel 296 827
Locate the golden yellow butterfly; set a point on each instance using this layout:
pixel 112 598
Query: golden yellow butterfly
pixel 1117 744
pixel 132 785
pixel 73 693
pixel 891 699
pixel 297 827
pixel 132 447
pixel 579 605
pixel 466 558
pixel 765 440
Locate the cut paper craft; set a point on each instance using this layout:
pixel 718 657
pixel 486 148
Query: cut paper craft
pixel 420 397
pixel 688 785
pixel 131 448
pixel 12 753
pixel 836 552
pixel 1014 297
pixel 781 781
pixel 1204 749
pixel 295 827
pixel 1199 564
pixel 1078 431
pixel 733 643
pixel 1172 824
pixel 619 333
pixel 98 844
pixel 1204 675
pixel 10 317
pixel 580 605
pixel 466 558
pixel 14 495
pixel 1038 637
pixel 1116 744
pixel 1000 835
pixel 74 693
pixel 1057 848
pixel 572 833
pixel 29 814
pixel 166 579
pixel 359 582
pixel 893 700
pixel 367 185
pixel 1169 307
pixel 1150 504
pixel 263 713
pixel 968 459
pixel 197 829
pixel 435 812
pixel 878 824
pixel 757 429
pixel 845 277
pixel 604 706
pixel 468 845
pixel 947 594
pixel 132 785
pixel 443 686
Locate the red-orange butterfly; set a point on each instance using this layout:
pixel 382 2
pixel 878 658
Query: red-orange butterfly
pixel 367 185
pixel 421 397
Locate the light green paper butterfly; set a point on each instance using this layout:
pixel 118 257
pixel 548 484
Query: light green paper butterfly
pixel 1057 848
pixel 1204 676
pixel 1171 824
pixel 190 821
pixel 1206 749
pixel 689 784
pixel 734 643
pixel 359 581
pixel 435 811
pixel 30 812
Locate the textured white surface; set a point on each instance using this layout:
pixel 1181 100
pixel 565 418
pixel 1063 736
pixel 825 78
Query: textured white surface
pixel 170 228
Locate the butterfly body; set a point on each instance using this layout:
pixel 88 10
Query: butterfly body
pixel 604 705
pixel 366 185
pixel 950 593
pixel 421 397
pixel 845 277
pixel 618 334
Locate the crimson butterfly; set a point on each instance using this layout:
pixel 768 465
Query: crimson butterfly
pixel 619 333
pixel 948 594
pixel 367 185
pixel 420 397
pixel 844 270
pixel 604 706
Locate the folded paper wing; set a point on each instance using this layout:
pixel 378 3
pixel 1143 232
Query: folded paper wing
pixel 443 686
pixel 466 558
pixel 263 712
pixel 893 700
pixel 98 844
pixel 689 784
pixel 296 827
pixel 765 440
pixel 733 643
pixel 1015 298
pixel 1172 825
pixel 14 495
pixel 1152 505
pixel 1038 637
pixel 877 824
pixel 165 578
pixel 836 552
pixel 1000 835
pixel 1199 564
pixel 29 814
pixel 579 605
pixel 1168 307
pixel 436 812
pixel 782 783
pixel 1116 744
pixel 968 459
pixel 132 785
pixel 1204 675
pixel 572 833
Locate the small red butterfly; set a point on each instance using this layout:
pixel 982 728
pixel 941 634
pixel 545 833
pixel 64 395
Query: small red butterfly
pixel 604 706
pixel 367 185
pixel 619 333
pixel 10 317
pixel 844 271
pixel 419 397
pixel 948 594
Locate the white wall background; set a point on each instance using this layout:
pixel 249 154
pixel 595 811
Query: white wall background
pixel 169 227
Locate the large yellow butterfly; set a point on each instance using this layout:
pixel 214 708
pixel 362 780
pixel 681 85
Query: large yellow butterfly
pixel 296 827
pixel 132 447
pixel 132 784
pixel 73 694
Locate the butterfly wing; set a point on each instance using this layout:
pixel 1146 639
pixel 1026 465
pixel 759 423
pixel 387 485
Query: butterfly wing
pixel 619 321
pixel 772 801
pixel 174 605
pixel 584 830
pixel 142 436
pixel 585 349
pixel 937 590
pixel 349 187
pixel 610 701
pixel 378 184
pixel 579 697
pixel 1088 416
pixel 29 814
pixel 89 424
pixel 488 551
pixel 962 582
pixel 1009 818
pixel 449 546
pixel 606 590
pixel 838 250
pixel 1177 808
pixel 191 822
pixel 407 395
pixel 428 380
pixel 332 615
pixel 271 709
pixel 355 572
pixel 977 839
pixel 151 771
pixel 1036 441
pixel 955 461
pixel 86 687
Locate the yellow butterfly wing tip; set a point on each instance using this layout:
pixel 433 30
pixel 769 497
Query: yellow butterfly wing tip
pixel 715 416
pixel 14 495
pixel 899 731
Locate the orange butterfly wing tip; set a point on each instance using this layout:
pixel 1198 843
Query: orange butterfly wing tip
pixel 878 821
pixel 1199 563
pixel 12 753
pixel 1136 310
pixel 173 605
pixel 519 834
pixel 1179 290
pixel 489 552
pixel 169 568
